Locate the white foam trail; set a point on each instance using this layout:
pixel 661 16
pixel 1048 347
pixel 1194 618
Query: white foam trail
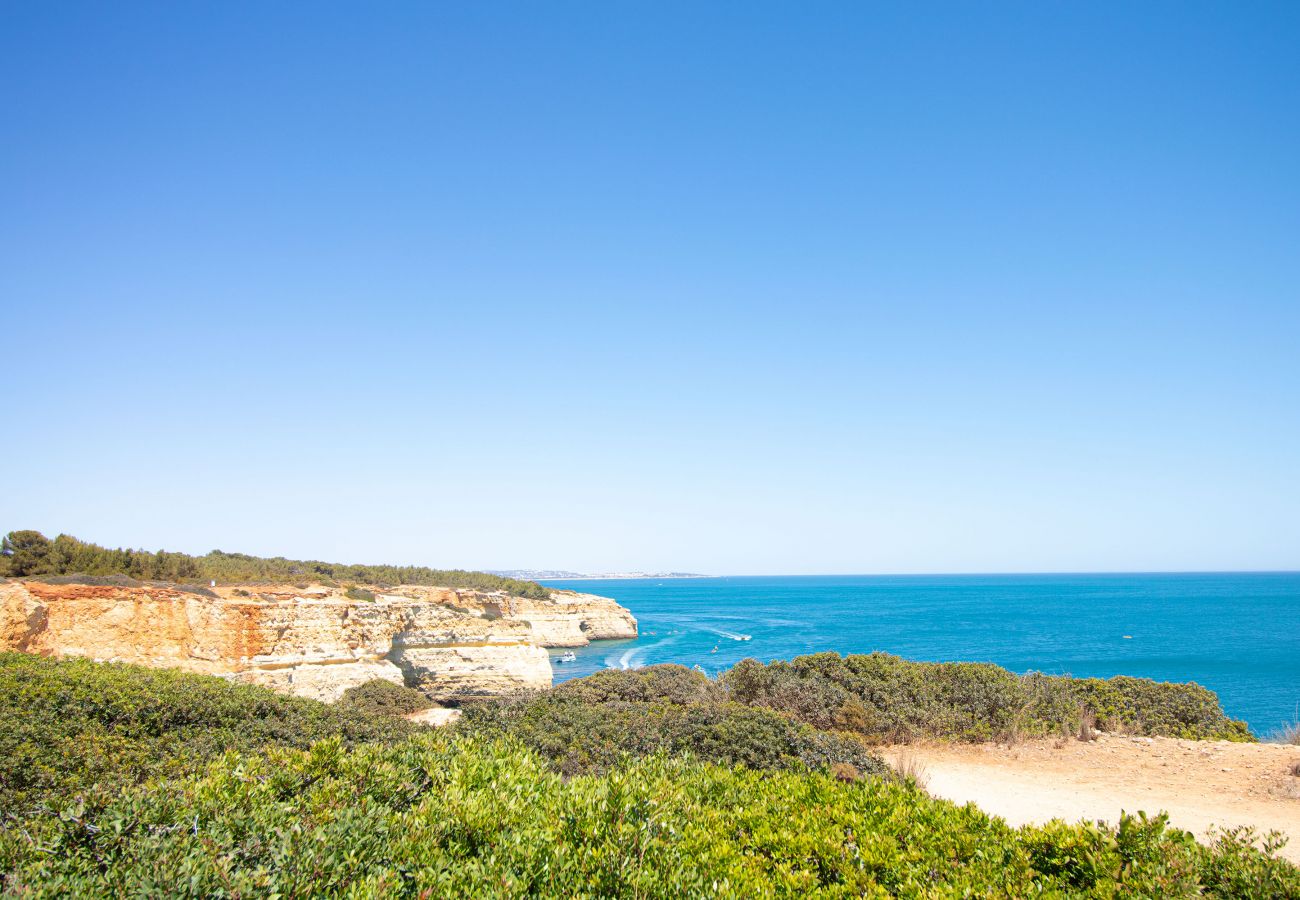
pixel 729 634
pixel 634 657
pixel 687 624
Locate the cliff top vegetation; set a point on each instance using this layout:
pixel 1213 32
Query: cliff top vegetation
pixel 72 728
pixel 888 699
pixel 30 554
pixel 118 780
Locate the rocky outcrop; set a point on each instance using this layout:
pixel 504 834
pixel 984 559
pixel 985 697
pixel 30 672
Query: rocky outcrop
pixel 467 656
pixel 570 619
pixel 315 641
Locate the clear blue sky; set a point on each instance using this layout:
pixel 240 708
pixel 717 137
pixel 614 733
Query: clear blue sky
pixel 750 288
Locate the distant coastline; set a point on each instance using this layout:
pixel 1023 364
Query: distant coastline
pixel 561 575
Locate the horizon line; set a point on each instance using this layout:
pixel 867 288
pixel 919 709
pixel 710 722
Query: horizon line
pixel 607 575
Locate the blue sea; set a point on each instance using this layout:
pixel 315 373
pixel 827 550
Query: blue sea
pixel 1235 633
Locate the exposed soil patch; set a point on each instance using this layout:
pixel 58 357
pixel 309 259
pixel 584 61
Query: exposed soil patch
pixel 1201 784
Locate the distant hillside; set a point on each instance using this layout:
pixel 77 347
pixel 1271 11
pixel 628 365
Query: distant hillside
pixel 30 554
pixel 534 574
pixel 553 574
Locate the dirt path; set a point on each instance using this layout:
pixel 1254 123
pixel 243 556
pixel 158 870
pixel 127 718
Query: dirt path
pixel 1199 783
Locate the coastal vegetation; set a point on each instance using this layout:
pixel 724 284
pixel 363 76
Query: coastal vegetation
pixel 30 554
pixel 444 816
pixel 592 724
pixel 383 698
pixel 71 728
pixel 121 780
pixel 889 699
pixel 826 710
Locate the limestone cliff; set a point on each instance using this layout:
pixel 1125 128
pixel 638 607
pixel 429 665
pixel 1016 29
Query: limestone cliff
pixel 314 641
pixel 569 619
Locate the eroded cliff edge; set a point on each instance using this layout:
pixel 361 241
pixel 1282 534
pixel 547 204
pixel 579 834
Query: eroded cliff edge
pixel 314 641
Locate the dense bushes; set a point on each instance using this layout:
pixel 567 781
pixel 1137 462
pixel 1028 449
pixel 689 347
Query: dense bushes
pixel 117 780
pixel 30 553
pixel 887 698
pixel 440 817
pixel 589 724
pixel 383 698
pixel 818 710
pixel 76 726
pixel 228 567
pixel 671 683
pixel 582 738
pixel 1143 706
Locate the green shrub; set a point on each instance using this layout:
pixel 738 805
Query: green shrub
pixel 122 781
pixel 668 682
pixel 886 698
pixel 74 726
pixel 1233 865
pixel 436 816
pixel 356 593
pixel 590 724
pixel 1148 707
pixel 379 697
pixel 580 737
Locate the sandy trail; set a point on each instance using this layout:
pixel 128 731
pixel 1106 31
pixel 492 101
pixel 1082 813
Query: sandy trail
pixel 1201 784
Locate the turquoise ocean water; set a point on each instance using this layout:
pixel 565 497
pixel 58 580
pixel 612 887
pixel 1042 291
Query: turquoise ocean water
pixel 1236 633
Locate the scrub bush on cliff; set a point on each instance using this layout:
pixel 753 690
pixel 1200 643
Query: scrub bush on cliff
pixel 73 726
pixel 579 737
pixel 888 698
pixel 668 682
pixel 379 697
pixel 439 817
pixel 1154 707
pixel 589 724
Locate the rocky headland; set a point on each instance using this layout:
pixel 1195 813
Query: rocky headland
pixel 314 641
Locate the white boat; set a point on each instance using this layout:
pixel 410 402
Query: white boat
pixel 568 657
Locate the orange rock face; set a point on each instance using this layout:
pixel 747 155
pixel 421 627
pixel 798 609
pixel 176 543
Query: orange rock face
pixel 312 641
pixel 150 626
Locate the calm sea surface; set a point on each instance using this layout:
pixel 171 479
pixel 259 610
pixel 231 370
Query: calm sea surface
pixel 1237 634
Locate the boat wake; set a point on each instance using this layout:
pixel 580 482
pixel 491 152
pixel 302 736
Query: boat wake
pixel 634 657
